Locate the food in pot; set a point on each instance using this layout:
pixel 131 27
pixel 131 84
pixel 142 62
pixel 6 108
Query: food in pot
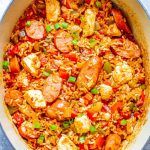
pixel 74 76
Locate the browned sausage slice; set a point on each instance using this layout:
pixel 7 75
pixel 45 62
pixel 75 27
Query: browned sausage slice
pixel 63 41
pixel 52 87
pixel 121 23
pixel 36 30
pixel 89 73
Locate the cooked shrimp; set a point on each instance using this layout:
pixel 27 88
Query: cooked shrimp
pixel 13 97
pixel 27 131
pixel 126 48
pixel 59 110
pixel 113 142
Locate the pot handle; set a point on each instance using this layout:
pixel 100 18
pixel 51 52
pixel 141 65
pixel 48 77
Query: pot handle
pixel 4 5
pixel 146 6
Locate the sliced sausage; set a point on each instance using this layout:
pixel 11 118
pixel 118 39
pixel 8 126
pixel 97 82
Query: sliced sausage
pixel 36 30
pixel 63 41
pixel 14 65
pixel 120 22
pixel 13 97
pixel 27 131
pixel 59 110
pixel 89 24
pixel 113 142
pixel 52 87
pixel 52 10
pixel 89 73
pixel 126 48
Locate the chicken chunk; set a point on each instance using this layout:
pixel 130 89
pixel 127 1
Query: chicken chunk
pixel 22 80
pixel 52 10
pixel 35 98
pixel 106 91
pixel 122 73
pixel 89 22
pixel 82 124
pixel 31 63
pixel 65 143
pixel 113 30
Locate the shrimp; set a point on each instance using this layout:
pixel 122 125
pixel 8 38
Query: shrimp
pixel 59 110
pixel 126 48
pixel 113 142
pixel 13 98
pixel 27 131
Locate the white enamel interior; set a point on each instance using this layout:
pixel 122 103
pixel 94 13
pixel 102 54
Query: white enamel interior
pixel 6 26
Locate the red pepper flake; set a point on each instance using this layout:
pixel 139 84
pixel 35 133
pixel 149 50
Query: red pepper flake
pixel 100 141
pixel 81 147
pixel 77 21
pixel 102 53
pixel 64 74
pixel 105 108
pixel 107 82
pixel 125 115
pixel 13 50
pixel 117 106
pixel 71 57
pixel 137 115
pixel 17 118
pixel 74 113
pixel 140 102
pixel 88 1
pixel 30 13
pixel 91 116
pixel 115 89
